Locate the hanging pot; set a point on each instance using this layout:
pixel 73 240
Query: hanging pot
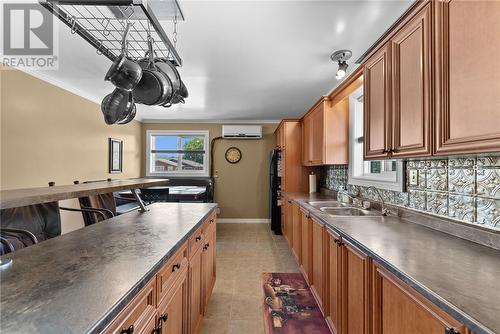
pixel 128 118
pixel 124 73
pixel 154 88
pixel 117 106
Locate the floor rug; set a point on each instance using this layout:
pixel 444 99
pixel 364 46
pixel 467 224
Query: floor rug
pixel 289 306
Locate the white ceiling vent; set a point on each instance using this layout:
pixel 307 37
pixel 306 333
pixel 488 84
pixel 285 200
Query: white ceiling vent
pixel 242 131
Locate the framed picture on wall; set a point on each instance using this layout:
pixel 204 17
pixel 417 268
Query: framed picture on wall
pixel 115 155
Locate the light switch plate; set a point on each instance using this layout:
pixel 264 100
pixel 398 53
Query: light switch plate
pixel 413 177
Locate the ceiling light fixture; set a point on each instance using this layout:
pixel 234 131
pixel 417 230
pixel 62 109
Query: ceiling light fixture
pixel 340 57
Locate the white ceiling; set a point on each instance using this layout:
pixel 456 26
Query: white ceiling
pixel 244 60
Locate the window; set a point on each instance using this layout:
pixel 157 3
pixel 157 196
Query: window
pixel 384 174
pixel 177 153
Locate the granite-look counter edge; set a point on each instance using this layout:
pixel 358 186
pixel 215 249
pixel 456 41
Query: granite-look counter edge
pixel 78 282
pixel 459 276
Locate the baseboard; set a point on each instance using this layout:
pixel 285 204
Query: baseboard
pixel 243 221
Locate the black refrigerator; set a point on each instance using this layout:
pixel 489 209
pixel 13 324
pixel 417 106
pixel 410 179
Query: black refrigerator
pixel 275 191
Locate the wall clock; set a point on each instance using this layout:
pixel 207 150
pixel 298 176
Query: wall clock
pixel 233 155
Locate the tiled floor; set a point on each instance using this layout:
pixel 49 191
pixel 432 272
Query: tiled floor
pixel 244 251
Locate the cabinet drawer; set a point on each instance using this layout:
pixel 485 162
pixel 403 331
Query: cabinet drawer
pixel 209 223
pixel 196 241
pixel 167 276
pixel 138 312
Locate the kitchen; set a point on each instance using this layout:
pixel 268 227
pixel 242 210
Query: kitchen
pixel 161 173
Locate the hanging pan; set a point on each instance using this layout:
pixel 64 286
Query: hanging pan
pixel 124 73
pixel 154 87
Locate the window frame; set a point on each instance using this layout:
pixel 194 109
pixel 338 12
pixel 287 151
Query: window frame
pixel 381 180
pixel 197 133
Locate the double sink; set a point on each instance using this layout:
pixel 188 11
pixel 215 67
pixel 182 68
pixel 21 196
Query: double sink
pixel 335 208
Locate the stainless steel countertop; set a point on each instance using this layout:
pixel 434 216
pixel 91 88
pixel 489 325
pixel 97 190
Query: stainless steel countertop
pixel 459 276
pixel 77 283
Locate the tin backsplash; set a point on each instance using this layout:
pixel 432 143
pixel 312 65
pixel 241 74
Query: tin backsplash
pixel 466 189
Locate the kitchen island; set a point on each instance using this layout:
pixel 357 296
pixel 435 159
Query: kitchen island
pixel 81 281
pixel 457 275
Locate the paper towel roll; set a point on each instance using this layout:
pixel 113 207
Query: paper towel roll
pixel 312 183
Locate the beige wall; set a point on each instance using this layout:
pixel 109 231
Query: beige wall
pixel 49 134
pixel 242 189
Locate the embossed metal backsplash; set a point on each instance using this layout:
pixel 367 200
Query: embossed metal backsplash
pixel 466 189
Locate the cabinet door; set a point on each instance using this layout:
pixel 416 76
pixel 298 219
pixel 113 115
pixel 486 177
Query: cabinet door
pixel 195 291
pixel 376 97
pixel 355 280
pixel 306 246
pixel 296 234
pixel 288 224
pixel 307 141
pixel 411 97
pixel 399 309
pixel 318 263
pixel 208 266
pixel 334 282
pixel 175 307
pixel 318 127
pixel 468 81
pixel 137 313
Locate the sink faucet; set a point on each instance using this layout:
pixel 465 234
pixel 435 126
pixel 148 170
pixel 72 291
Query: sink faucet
pixel 344 192
pixel 385 211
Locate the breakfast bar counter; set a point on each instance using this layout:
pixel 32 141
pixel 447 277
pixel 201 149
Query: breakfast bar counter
pixel 79 282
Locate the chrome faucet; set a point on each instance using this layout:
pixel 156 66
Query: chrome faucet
pixel 344 192
pixel 385 211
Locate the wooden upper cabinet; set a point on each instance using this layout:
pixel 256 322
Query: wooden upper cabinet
pixel 292 172
pixel 318 134
pixel 377 104
pixel 326 133
pixel 411 87
pixel 467 77
pixel 396 308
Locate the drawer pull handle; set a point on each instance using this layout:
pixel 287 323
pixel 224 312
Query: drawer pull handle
pixel 198 238
pixel 129 330
pixel 449 330
pixel 338 242
pixel 159 325
pixel 206 246
pixel 176 266
pixel 211 220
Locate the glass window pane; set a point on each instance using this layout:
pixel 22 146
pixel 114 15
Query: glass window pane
pixel 192 143
pixel 375 167
pixel 192 161
pixel 164 142
pixel 165 162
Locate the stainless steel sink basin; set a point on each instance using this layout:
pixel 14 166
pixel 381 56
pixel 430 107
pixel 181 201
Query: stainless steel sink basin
pixel 329 204
pixel 349 211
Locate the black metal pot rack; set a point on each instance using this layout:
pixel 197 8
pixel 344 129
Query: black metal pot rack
pixel 101 23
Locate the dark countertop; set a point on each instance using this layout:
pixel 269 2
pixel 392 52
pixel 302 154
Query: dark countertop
pixel 459 276
pixel 77 283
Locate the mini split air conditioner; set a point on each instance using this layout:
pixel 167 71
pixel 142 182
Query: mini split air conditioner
pixel 242 131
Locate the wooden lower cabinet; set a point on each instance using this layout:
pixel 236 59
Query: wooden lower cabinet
pixel 175 307
pixel 174 301
pixel 296 232
pixel 318 263
pixel 195 290
pixel 397 308
pixel 306 246
pixel 137 314
pixel 208 260
pixel 334 282
pixel 355 290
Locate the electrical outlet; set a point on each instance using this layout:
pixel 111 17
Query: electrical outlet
pixel 218 210
pixel 413 177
